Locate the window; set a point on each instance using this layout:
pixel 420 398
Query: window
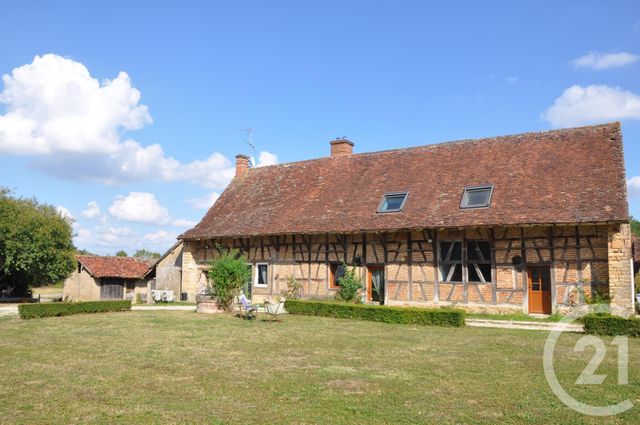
pixel 479 261
pixel 392 202
pixel 476 197
pixel 337 270
pixel 475 261
pixel 261 274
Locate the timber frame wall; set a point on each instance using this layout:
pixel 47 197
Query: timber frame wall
pixel 579 257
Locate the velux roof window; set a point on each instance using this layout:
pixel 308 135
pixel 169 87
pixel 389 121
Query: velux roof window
pixel 392 202
pixel 476 196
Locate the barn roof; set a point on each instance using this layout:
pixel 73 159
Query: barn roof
pixel 120 267
pixel 572 176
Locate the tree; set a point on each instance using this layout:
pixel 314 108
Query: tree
pixel 36 245
pixel 635 226
pixel 121 253
pixel 146 255
pixel 228 274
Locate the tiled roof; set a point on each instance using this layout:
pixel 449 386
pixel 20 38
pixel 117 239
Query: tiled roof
pixel 122 267
pixel 564 176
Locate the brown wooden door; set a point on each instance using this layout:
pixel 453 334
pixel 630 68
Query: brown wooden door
pixel 375 284
pixel 539 289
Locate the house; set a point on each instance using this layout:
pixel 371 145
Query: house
pixel 106 278
pixel 526 222
pixel 168 273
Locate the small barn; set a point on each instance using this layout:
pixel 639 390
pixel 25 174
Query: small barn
pixel 106 278
pixel 168 273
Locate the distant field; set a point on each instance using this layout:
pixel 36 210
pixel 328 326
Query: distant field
pixel 181 367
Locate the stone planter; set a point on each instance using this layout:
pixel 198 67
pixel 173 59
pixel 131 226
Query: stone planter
pixel 207 304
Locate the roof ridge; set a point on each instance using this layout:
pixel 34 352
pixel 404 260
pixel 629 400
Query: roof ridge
pixel 503 137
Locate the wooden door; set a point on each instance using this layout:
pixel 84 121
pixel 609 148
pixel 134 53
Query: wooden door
pixel 111 289
pixel 539 278
pixel 375 284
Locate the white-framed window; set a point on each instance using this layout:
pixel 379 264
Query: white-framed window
pixel 261 275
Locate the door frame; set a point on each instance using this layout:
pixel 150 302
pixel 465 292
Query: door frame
pixel 369 291
pixel 546 300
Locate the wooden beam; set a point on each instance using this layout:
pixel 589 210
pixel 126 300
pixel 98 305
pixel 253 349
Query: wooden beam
pixel 436 274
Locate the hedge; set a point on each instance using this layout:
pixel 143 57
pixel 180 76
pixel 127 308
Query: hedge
pixel 31 311
pixel 606 324
pixel 378 313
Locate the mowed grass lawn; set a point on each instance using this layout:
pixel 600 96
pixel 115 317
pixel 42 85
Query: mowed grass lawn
pixel 181 367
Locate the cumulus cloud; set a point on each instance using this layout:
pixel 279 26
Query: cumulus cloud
pixel 65 213
pixel 205 202
pixel 141 207
pixel 92 211
pixel 267 158
pixel 73 125
pixel 107 239
pixel 595 103
pixel 599 61
pixel 633 185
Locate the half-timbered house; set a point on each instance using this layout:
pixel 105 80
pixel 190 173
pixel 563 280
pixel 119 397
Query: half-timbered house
pixel 531 222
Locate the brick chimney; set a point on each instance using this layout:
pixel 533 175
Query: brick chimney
pixel 242 164
pixel 341 147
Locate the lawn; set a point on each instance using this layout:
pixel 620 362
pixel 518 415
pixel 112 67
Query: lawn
pixel 181 367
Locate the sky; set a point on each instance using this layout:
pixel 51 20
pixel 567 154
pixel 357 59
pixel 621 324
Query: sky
pixel 127 115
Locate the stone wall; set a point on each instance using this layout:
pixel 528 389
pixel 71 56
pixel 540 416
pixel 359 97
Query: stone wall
pixel 169 271
pixel 80 286
pixel 620 274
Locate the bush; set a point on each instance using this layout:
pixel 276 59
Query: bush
pixel 606 324
pixel 31 311
pixel 350 286
pixel 229 273
pixel 378 313
pixel 294 289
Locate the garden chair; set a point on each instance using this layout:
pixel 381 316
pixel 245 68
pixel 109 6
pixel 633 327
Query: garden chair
pixel 248 310
pixel 274 311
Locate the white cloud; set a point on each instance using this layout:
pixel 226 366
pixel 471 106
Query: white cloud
pixel 65 213
pixel 142 207
pixel 92 211
pixel 633 185
pixel 107 239
pixel 160 235
pixel 181 222
pixel 73 125
pixel 205 202
pixel 598 61
pixel 595 103
pixel 511 80
pixel 267 158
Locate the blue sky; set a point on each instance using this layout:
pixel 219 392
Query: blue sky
pixel 136 158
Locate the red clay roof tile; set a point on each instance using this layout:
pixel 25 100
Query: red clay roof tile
pixel 123 267
pixel 563 176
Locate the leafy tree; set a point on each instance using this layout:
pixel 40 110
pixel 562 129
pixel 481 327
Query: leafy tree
pixel 36 245
pixel 635 226
pixel 146 255
pixel 350 285
pixel 121 253
pixel 228 274
pixel 84 252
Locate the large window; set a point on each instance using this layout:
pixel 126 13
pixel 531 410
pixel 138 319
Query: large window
pixel 392 202
pixel 472 265
pixel 476 197
pixel 261 274
pixel 336 271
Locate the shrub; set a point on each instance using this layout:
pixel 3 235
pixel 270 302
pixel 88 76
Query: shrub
pixel 350 286
pixel 294 289
pixel 229 273
pixel 31 311
pixel 606 324
pixel 378 313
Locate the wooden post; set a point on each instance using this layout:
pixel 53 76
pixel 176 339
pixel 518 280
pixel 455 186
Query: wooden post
pixel 436 273
pixel 552 269
pixel 409 261
pixel 523 254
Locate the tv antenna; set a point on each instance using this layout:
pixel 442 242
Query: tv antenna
pixel 248 139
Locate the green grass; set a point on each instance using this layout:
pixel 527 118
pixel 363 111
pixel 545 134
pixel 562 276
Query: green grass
pixel 182 367
pixel 515 316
